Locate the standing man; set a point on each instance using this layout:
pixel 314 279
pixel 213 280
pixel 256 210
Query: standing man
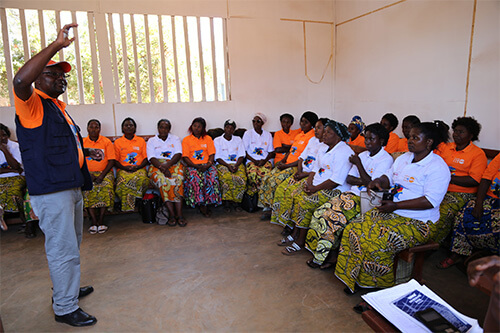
pixel 52 150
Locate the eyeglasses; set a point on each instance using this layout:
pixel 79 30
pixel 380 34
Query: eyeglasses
pixel 258 121
pixel 57 75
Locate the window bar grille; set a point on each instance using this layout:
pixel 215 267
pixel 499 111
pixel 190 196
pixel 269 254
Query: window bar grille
pixel 125 59
pixel 113 57
pixel 6 52
pixel 93 51
pixel 78 62
pixel 42 29
pixel 61 51
pixel 136 62
pixel 148 56
pixel 188 59
pixel 202 66
pixel 174 43
pixel 225 56
pixel 214 68
pixel 162 60
pixel 24 33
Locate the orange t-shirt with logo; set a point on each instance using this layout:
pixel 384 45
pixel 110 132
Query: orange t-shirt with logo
pixel 299 144
pixel 492 173
pixel 402 145
pixel 470 161
pixel 130 152
pixel 198 150
pixel 392 143
pixel 30 113
pixel 281 138
pixel 359 141
pixel 106 146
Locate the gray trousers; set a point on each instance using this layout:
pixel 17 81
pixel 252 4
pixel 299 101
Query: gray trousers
pixel 61 220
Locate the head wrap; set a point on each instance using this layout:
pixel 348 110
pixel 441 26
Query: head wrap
pixel 356 120
pixel 339 129
pixel 230 122
pixel 261 116
pixel 311 117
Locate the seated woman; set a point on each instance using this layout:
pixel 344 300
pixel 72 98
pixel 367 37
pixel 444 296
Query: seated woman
pixel 201 184
pixel 259 153
pixel 369 244
pixel 329 220
pixel 230 155
pixel 390 122
pixel 166 172
pixel 408 123
pixel 466 163
pixel 12 181
pixel 288 165
pixel 283 139
pixel 102 195
pixel 476 225
pixel 131 160
pixel 357 140
pixel 327 180
pixel 291 185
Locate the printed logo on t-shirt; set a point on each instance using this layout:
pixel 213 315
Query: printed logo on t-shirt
pixel 495 186
pixel 4 165
pixel 309 160
pixel 259 151
pixel 166 154
pixel 198 155
pixel 203 145
pixel 399 190
pixel 136 148
pixel 370 171
pixel 452 170
pixel 458 160
pixel 409 179
pixel 293 150
pixel 131 158
pixel 321 171
pixel 232 157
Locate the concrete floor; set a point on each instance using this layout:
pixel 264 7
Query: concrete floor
pixel 223 273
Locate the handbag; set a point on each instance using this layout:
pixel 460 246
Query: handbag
pixel 162 215
pixel 148 207
pixel 249 202
pixel 370 200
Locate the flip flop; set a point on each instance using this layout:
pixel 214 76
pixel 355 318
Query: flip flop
pixel 292 250
pixel 447 263
pixel 181 222
pixel 285 241
pixel 312 264
pixel 93 229
pixel 102 229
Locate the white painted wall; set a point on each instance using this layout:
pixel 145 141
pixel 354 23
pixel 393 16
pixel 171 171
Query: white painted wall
pixel 412 58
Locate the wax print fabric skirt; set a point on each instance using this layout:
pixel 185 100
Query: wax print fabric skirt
pixel 171 188
pixel 370 243
pixel 255 175
pixel 296 210
pixel 129 186
pixel 102 194
pixel 29 213
pixel 271 182
pixel 448 210
pixel 201 187
pixel 11 192
pixel 233 185
pixel 470 234
pixel 328 223
pixel 287 189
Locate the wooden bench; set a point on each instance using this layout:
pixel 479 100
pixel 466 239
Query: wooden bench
pixel 415 255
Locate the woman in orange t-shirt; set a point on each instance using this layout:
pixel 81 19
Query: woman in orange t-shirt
pixel 201 184
pixel 102 195
pixel 357 140
pixel 131 159
pixel 390 122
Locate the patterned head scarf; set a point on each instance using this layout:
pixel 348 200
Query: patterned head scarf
pixel 339 129
pixel 356 120
pixel 261 116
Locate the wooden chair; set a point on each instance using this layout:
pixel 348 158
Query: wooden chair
pixel 416 255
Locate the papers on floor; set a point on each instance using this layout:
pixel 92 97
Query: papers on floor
pixel 399 303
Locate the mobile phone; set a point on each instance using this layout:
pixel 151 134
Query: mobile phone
pixel 435 322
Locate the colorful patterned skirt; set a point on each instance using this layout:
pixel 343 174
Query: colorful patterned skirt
pixel 296 210
pixel 370 243
pixel 284 195
pixel 11 191
pixel 172 188
pixel 29 214
pixel 271 182
pixel 101 195
pixel 448 210
pixel 201 187
pixel 255 175
pixel 233 185
pixel 469 233
pixel 129 186
pixel 328 223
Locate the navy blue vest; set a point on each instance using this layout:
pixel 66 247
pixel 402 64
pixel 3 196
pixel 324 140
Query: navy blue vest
pixel 49 153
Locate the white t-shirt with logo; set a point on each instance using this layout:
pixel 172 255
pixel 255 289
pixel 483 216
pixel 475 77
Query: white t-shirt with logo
pixel 333 165
pixel 310 154
pixel 258 146
pixel 160 149
pixel 375 166
pixel 229 151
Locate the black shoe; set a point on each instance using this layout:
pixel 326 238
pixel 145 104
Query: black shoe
pixel 84 291
pixel 77 318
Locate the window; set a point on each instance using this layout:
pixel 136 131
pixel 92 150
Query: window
pixel 153 58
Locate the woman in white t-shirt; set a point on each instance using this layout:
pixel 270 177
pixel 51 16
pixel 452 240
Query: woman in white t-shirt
pixel 230 155
pixel 12 181
pixel 166 172
pixel 329 220
pixel 420 179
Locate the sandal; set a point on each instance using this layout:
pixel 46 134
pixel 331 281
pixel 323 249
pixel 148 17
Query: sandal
pixel 362 307
pixel 285 241
pixel 447 263
pixel 292 249
pixel 102 229
pixel 172 222
pixel 93 229
pixel 181 222
pixel 312 264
